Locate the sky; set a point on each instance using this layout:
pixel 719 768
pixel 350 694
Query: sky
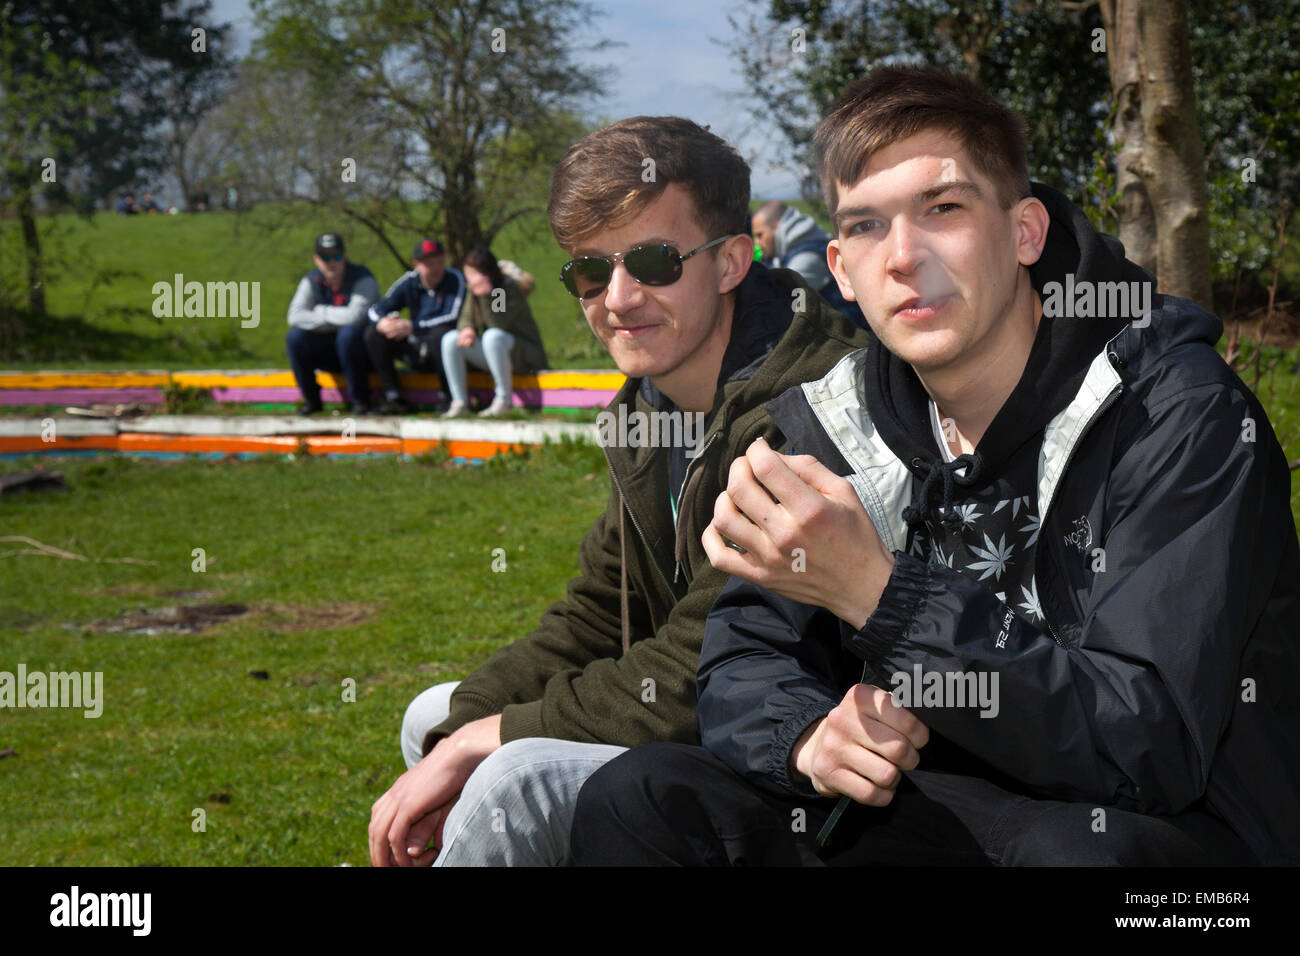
pixel 669 63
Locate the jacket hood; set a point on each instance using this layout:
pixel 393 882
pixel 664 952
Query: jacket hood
pixel 807 343
pixel 773 347
pixel 795 227
pixel 1071 333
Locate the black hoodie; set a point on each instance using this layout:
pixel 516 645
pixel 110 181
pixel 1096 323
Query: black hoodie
pixel 1161 678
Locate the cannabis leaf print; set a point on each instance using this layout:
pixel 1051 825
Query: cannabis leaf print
pixel 995 558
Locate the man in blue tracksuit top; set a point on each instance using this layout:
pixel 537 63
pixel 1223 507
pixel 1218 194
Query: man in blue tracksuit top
pixel 434 295
pixel 328 319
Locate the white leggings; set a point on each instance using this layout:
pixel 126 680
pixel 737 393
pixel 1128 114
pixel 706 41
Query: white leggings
pixel 491 351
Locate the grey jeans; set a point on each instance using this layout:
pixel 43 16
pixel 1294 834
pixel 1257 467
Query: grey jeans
pixel 517 807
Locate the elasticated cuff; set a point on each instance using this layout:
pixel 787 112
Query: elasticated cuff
pixel 783 743
pixel 906 591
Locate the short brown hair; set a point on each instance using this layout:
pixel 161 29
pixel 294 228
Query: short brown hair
pixel 602 181
pixel 893 103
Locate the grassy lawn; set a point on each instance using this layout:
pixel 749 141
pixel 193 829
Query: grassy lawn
pixel 102 273
pixel 376 570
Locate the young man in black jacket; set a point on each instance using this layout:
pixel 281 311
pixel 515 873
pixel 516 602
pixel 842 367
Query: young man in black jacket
pixel 1030 595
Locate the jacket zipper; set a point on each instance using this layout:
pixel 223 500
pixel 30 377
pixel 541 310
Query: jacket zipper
pixel 625 503
pixel 677 565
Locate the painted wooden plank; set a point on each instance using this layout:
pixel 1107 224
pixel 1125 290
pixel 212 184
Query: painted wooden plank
pixel 79 396
pixel 64 426
pixel 11 444
pixel 361 445
pixel 259 425
pixel 43 380
pixel 282 378
pixel 219 444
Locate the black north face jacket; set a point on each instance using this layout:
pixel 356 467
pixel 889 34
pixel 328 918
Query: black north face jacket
pixel 1167 676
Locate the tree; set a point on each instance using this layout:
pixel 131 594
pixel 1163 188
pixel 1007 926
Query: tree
pixel 79 108
pixel 1164 219
pixel 472 101
pixel 1043 59
pixel 799 55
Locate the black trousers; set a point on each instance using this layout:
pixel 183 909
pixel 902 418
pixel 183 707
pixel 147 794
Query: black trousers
pixel 671 804
pixel 423 354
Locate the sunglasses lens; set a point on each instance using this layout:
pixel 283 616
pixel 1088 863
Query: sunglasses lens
pixel 649 265
pixel 586 277
pixel 654 265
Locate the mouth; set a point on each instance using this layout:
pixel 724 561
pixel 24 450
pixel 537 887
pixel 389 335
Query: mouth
pixel 633 331
pixel 922 307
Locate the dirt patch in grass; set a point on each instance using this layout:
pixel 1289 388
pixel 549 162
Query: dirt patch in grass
pixel 195 618
pixel 172 618
pixel 288 618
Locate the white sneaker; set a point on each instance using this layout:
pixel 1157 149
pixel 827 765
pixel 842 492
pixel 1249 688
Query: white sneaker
pixel 455 410
pixel 498 408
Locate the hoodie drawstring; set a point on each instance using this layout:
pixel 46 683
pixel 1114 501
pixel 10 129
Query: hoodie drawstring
pixel 947 472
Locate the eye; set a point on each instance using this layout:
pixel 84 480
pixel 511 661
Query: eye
pixel 861 227
pixel 944 208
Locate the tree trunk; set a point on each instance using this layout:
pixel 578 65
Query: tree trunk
pixel 1137 221
pixel 1163 208
pixel 32 250
pixel 460 213
pixel 1176 183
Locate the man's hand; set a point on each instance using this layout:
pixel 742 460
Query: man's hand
pixel 413 810
pixel 467 337
pixel 842 565
pixel 861 748
pixel 394 326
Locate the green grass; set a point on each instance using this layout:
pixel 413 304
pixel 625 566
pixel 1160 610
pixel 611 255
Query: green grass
pixel 102 272
pixel 183 722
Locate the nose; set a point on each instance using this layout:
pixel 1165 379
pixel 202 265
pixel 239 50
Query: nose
pixel 623 294
pixel 906 247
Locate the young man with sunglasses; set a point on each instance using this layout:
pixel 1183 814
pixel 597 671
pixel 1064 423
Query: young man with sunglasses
pixel 1050 610
pixel 328 319
pixel 653 211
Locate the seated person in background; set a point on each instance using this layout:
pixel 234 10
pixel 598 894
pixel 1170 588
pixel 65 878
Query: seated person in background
pixel 126 205
pixel 149 205
pixel 791 240
pixel 434 295
pixel 328 317
pixel 495 331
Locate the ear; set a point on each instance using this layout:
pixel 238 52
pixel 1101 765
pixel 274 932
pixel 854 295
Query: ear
pixel 735 256
pixel 835 260
pixel 1031 222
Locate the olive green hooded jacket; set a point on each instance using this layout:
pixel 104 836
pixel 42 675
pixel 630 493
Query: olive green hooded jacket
pixel 576 676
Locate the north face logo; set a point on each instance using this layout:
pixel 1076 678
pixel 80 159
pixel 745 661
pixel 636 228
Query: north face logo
pixel 1081 536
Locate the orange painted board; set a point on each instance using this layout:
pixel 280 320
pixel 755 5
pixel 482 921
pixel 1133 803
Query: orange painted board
pixel 364 445
pixel 218 444
pixel 457 448
pixel 65 443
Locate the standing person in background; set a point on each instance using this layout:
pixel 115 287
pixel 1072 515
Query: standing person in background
pixel 434 296
pixel 327 316
pixel 495 331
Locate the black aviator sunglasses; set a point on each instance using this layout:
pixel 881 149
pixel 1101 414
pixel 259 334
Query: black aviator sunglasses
pixel 658 264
